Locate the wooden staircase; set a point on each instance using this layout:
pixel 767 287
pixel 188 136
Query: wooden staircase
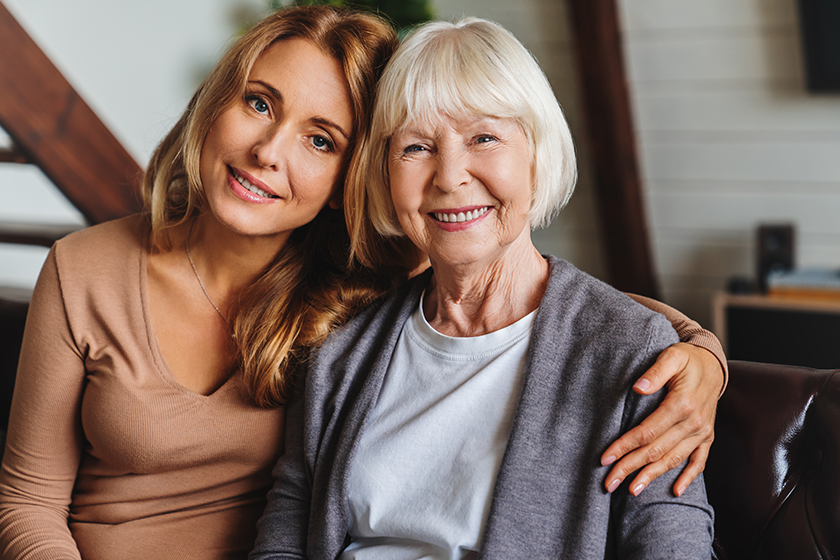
pixel 52 127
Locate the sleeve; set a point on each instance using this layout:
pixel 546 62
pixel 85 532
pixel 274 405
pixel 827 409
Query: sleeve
pixel 282 530
pixel 689 331
pixel 657 524
pixel 44 443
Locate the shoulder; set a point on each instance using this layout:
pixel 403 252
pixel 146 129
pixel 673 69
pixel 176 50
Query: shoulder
pixel 103 259
pixel 576 301
pixel 106 240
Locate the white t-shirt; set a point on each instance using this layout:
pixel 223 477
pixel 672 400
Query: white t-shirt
pixel 422 480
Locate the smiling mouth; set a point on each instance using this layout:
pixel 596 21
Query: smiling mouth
pixel 251 187
pixel 460 216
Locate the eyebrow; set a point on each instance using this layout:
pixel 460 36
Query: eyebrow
pixel 275 93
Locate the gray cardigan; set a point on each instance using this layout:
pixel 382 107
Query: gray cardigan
pixel 588 346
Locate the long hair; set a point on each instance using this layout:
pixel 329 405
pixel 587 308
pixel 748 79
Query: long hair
pixel 306 290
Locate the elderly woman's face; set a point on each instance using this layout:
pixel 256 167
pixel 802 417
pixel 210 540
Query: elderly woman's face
pixel 462 187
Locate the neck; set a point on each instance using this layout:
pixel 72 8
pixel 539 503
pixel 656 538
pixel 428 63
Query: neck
pixel 478 299
pixel 224 262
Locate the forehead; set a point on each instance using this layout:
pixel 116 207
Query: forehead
pixel 309 81
pixel 463 123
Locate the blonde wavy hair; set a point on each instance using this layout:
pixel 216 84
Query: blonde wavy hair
pixel 307 289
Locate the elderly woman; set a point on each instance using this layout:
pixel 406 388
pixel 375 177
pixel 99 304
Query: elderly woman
pixel 466 415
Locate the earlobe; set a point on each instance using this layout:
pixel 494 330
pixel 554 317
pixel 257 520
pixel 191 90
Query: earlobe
pixel 336 201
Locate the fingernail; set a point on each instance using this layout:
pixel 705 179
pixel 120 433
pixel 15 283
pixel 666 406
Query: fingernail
pixel 608 461
pixel 642 385
pixel 680 491
pixel 613 485
pixel 638 489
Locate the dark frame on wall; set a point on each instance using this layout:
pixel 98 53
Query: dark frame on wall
pixel 820 24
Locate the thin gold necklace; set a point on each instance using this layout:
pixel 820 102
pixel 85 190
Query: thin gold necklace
pixel 197 277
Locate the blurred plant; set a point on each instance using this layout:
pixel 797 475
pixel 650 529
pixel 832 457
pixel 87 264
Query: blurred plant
pixel 403 13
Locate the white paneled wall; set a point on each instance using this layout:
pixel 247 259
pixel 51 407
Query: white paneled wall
pixel 728 139
pixel 542 25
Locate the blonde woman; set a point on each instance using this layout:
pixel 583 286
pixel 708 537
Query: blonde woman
pixel 139 427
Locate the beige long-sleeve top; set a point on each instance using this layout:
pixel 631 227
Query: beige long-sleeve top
pixel 109 457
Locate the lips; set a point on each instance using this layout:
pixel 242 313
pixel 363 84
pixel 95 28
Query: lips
pixel 460 217
pixel 248 185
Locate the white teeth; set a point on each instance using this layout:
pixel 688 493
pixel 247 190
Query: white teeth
pixel 253 188
pixel 461 216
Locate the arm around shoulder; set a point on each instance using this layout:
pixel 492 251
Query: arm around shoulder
pixel 689 331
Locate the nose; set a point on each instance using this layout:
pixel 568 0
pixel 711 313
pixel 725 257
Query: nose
pixel 270 147
pixel 452 171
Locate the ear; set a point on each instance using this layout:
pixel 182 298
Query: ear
pixel 336 200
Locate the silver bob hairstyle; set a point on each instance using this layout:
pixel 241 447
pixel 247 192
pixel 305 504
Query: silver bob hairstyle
pixel 469 67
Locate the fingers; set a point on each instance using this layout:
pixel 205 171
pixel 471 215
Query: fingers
pixel 654 459
pixel 672 460
pixel 670 362
pixel 643 435
pixel 662 442
pixel 696 465
pixel 682 426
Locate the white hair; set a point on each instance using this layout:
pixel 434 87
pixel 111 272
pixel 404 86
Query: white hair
pixel 470 67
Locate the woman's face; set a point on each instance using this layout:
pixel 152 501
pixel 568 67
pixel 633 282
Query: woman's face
pixel 273 158
pixel 462 187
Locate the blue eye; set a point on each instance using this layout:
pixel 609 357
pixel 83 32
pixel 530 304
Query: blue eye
pixel 484 139
pixel 413 148
pixel 257 103
pixel 322 143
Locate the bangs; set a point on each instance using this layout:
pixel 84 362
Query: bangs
pixel 452 76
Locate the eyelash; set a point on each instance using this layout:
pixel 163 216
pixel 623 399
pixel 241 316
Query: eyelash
pixel 328 148
pixel 480 139
pixel 252 99
pixel 411 149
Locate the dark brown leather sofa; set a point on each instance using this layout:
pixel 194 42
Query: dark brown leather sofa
pixel 773 475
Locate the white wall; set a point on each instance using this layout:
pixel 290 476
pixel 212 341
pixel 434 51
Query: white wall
pixel 729 138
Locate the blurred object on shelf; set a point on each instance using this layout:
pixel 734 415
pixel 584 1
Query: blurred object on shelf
pixel 740 285
pixel 775 251
pixel 805 283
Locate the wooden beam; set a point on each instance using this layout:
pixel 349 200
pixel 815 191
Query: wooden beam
pixel 57 131
pixel 34 234
pixel 615 166
pixel 12 154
